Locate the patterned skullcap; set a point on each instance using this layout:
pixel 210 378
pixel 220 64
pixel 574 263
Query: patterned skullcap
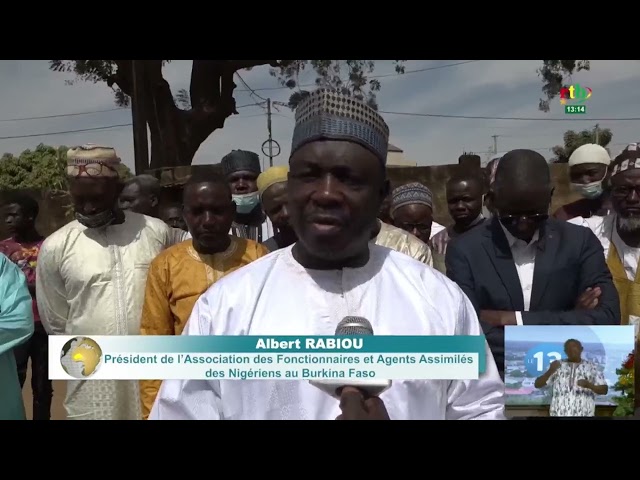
pixel 92 160
pixel 239 160
pixel 330 115
pixel 629 158
pixel 409 194
pixel 270 177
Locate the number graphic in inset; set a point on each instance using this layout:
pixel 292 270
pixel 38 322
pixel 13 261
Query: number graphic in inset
pixel 539 358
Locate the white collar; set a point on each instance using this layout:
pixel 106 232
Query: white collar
pixel 512 240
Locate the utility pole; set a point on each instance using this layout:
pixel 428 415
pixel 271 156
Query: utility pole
pixel 597 134
pixel 269 130
pixel 270 142
pixel 140 140
pixel 495 144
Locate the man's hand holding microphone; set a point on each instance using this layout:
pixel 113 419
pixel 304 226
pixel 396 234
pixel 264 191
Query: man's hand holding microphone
pixel 359 398
pixel 355 406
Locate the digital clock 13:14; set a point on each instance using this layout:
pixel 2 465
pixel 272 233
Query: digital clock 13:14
pixel 573 109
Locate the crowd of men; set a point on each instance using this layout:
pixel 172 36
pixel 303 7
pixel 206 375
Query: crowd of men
pixel 293 250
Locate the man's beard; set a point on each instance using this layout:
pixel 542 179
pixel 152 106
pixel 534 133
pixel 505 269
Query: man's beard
pixel 629 224
pixel 98 220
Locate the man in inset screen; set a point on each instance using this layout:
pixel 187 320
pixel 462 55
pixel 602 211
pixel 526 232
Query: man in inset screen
pixel 575 383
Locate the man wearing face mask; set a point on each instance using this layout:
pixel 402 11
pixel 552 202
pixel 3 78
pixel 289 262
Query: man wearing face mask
pixel 241 169
pixel 619 232
pixel 587 170
pixel 523 268
pixel 91 276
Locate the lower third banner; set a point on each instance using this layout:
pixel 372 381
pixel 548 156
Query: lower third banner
pixel 258 358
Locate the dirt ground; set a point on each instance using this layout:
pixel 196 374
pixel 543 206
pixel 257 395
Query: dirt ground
pixel 59 390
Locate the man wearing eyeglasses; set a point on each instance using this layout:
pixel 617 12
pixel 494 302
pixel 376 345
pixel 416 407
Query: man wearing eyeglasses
pixel 619 232
pixel 91 276
pixel 523 268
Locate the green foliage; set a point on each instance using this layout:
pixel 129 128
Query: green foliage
pixel 348 76
pixel 626 387
pixel 183 99
pixel 553 74
pixel 107 71
pixel 573 140
pixel 95 71
pixel 41 169
pixel 351 77
pixel 178 124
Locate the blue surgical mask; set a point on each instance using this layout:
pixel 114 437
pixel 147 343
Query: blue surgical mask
pixel 591 190
pixel 245 203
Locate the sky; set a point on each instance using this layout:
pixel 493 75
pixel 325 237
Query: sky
pixel 493 88
pixel 607 335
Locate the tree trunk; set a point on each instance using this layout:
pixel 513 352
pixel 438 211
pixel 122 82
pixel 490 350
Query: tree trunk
pixel 170 139
pixel 176 135
pixel 171 145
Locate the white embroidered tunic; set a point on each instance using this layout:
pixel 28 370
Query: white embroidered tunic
pixel 275 295
pixel 92 282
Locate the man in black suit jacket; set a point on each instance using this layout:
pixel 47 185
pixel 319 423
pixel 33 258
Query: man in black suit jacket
pixel 523 268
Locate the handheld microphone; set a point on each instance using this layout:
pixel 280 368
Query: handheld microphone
pixel 372 387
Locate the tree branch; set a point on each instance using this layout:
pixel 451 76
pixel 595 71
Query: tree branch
pixel 212 99
pixel 236 65
pixel 204 87
pixel 159 89
pixel 123 77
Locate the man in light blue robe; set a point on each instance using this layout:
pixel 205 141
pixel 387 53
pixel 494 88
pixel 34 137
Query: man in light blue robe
pixel 16 326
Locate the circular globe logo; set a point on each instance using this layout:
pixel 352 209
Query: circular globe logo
pixel 80 357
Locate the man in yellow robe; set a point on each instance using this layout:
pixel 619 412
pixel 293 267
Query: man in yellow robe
pixel 272 186
pixel 180 274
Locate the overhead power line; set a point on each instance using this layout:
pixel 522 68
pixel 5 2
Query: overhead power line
pixel 73 114
pixel 61 115
pixel 388 113
pixel 67 131
pixel 470 117
pixel 64 132
pixel 407 72
pixel 412 114
pixel 248 89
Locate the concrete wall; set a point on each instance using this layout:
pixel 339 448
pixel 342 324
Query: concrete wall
pixel 436 178
pixel 55 212
pixel 395 159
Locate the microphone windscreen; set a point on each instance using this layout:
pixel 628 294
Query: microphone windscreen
pixel 354 326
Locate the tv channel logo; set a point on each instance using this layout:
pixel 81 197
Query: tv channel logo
pixel 575 94
pixel 539 358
